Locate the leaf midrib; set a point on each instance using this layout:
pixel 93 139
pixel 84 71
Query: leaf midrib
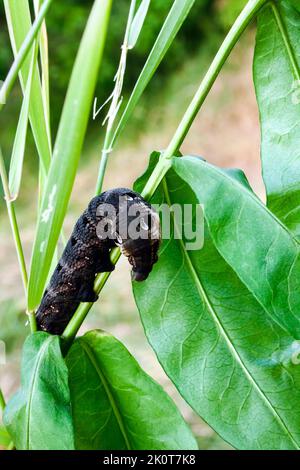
pixel 32 388
pixel 286 40
pixel 234 353
pixel 91 356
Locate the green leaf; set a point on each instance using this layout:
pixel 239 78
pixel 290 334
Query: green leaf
pixel 67 148
pixel 19 24
pixel 5 438
pixel 115 404
pixel 17 158
pixel 277 82
pixel 44 63
pixel 39 417
pixel 137 23
pixel 178 13
pixel 295 3
pixel 226 356
pixel 260 249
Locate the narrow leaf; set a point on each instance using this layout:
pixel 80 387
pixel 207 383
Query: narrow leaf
pixel 67 148
pixel 128 409
pixel 178 13
pixel 137 23
pixel 17 158
pixel 225 355
pixel 277 82
pixel 44 66
pixel 38 417
pixel 19 24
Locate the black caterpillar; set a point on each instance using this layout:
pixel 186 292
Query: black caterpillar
pixel 103 225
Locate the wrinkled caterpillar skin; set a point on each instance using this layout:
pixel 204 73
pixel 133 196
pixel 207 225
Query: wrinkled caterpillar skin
pixel 86 255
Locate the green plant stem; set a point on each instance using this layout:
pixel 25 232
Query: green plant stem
pixel 246 16
pixel 103 162
pixel 164 164
pixel 22 54
pixel 115 103
pixel 15 231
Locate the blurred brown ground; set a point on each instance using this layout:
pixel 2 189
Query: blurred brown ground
pixel 226 133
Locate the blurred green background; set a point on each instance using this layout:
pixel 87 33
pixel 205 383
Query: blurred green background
pixel 65 23
pixel 226 133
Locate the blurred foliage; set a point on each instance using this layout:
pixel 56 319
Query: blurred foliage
pixel 12 324
pixel 66 21
pixel 228 11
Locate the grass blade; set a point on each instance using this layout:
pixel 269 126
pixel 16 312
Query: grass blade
pixel 43 45
pixel 44 66
pixel 67 148
pixel 17 158
pixel 170 28
pixel 137 23
pixel 22 34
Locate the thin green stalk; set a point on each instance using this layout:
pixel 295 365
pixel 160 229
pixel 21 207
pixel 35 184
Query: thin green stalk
pixel 164 164
pixel 241 23
pixel 115 101
pixel 22 54
pixel 103 162
pixel 15 231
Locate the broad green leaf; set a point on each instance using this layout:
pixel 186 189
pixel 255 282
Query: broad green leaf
pixel 137 23
pixel 19 23
pixel 260 249
pixel 226 356
pixel 67 148
pixel 115 404
pixel 178 13
pixel 17 158
pixel 39 417
pixel 277 82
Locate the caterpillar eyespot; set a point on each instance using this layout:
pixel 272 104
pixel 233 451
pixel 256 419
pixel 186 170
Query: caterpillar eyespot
pixel 119 217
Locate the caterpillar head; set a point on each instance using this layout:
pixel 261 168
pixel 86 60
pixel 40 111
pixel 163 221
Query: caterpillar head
pixel 141 240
